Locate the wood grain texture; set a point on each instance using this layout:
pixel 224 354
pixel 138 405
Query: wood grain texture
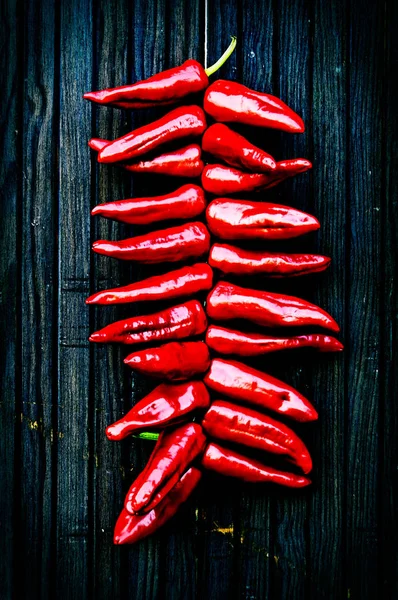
pixel 63 482
pixel 292 83
pixel 38 300
pixel 73 448
pixel 363 335
pixel 10 186
pixel 329 129
pixel 387 490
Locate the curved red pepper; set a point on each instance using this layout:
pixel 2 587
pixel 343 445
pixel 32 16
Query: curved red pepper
pixel 174 361
pixel 173 453
pixel 236 261
pixel 177 322
pixel 186 202
pixel 182 122
pixel 174 244
pixel 227 145
pixel 228 301
pixel 242 425
pixel 132 528
pixel 229 101
pixel 163 88
pixel 232 464
pixel 221 180
pixel 185 281
pixel 228 341
pixel 167 404
pixel 184 162
pixel 244 219
pixel 238 381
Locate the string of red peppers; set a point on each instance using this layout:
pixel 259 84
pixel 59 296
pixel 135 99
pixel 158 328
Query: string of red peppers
pixel 195 431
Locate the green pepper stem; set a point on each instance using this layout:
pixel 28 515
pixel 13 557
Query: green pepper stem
pixel 223 58
pixel 146 435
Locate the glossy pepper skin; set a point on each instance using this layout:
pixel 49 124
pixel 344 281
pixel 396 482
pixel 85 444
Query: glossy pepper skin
pixel 180 123
pixel 240 382
pixel 233 464
pixel 228 301
pixel 175 361
pixel 241 425
pixel 166 405
pixel 184 162
pixel 233 260
pixel 132 528
pixel 185 203
pixel 175 323
pixel 174 244
pixel 163 88
pixel 243 219
pixel 221 180
pixel 185 281
pixel 229 341
pixel 174 452
pixel 227 145
pixel 232 102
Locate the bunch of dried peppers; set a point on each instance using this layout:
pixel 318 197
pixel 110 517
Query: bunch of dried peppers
pixel 194 431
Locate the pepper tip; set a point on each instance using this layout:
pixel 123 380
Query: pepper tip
pixel 109 433
pixel 95 337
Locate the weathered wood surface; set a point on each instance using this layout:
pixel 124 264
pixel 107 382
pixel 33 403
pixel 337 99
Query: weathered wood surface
pixel 62 482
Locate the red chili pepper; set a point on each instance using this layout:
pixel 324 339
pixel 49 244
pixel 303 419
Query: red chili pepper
pixel 166 405
pixel 185 281
pixel 221 180
pixel 175 323
pixel 228 301
pixel 184 162
pixel 186 202
pixel 182 122
pixel 131 528
pixel 227 145
pixel 163 88
pixel 242 425
pixel 174 244
pixel 232 464
pixel 228 341
pixel 238 381
pixel 243 219
pixel 174 452
pixel 236 261
pixel 229 101
pixel 174 361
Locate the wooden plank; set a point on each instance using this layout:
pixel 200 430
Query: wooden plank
pixel 108 375
pixel 256 51
pixel 10 248
pixel 39 285
pixel 388 527
pixel 73 446
pixel 219 573
pixel 365 180
pixel 326 516
pixel 184 40
pixel 293 85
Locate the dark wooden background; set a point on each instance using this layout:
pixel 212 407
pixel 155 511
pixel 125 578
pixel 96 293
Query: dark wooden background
pixel 62 482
